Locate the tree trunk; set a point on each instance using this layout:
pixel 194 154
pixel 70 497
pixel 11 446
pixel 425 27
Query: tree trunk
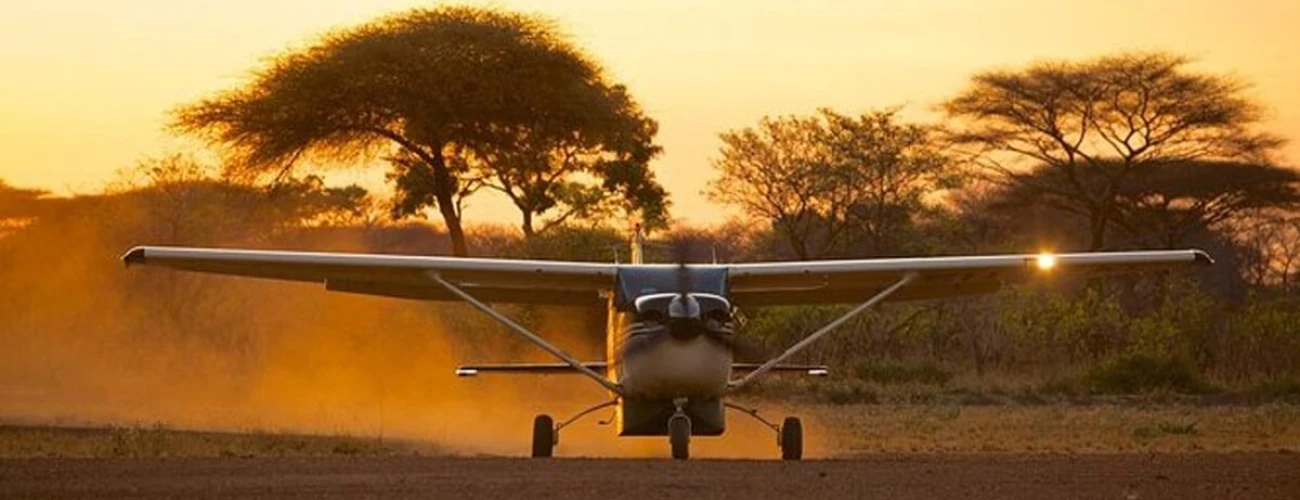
pixel 797 244
pixel 457 234
pixel 442 191
pixel 1097 225
pixel 527 226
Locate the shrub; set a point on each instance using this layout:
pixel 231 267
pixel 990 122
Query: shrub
pixel 1165 429
pixel 1140 374
pixel 893 373
pixel 1285 389
pixel 849 392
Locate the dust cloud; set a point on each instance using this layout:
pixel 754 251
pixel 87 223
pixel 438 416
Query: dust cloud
pixel 86 341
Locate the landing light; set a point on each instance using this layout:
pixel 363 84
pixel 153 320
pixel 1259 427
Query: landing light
pixel 1046 261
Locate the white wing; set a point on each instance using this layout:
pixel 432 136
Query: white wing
pixel 843 281
pixel 492 280
pixel 581 283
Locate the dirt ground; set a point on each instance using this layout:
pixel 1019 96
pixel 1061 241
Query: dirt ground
pixel 1002 476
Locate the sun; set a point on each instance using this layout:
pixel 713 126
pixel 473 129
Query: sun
pixel 1046 261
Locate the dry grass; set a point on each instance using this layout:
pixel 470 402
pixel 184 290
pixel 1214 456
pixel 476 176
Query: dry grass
pixel 1058 428
pixel 838 430
pixel 161 442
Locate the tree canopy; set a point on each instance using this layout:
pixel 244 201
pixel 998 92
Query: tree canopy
pixel 829 181
pixel 465 96
pixel 1161 205
pixel 1116 115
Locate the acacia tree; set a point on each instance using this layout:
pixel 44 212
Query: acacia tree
pixel 821 178
pixel 1113 115
pixel 449 90
pixel 1166 204
pixel 549 174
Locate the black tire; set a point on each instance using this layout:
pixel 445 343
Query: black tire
pixel 792 439
pixel 543 436
pixel 679 436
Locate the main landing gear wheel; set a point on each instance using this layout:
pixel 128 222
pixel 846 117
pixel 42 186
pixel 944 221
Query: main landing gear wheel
pixel 543 436
pixel 791 439
pixel 679 436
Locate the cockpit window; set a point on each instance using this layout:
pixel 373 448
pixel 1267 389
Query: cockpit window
pixel 632 283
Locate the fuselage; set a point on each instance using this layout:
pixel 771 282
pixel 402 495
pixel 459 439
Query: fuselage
pixel 673 359
pixel 669 339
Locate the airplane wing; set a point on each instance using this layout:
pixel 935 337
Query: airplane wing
pixel 581 283
pixel 403 276
pixel 848 281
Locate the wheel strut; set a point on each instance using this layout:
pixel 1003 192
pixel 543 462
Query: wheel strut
pixel 581 414
pixel 546 433
pixel 789 435
pixel 753 413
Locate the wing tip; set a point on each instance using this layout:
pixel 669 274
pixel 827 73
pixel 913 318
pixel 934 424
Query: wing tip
pixel 1201 257
pixel 134 256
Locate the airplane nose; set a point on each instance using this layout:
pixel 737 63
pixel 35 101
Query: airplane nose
pixel 685 328
pixel 684 306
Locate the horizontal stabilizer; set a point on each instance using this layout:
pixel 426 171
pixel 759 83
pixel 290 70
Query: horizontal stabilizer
pixel 561 368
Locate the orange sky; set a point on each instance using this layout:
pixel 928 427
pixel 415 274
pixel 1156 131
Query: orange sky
pixel 87 83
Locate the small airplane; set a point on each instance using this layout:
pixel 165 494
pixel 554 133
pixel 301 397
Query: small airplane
pixel 670 338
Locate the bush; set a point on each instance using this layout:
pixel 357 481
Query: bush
pixel 849 392
pixel 1284 389
pixel 893 373
pixel 1141 374
pixel 1166 429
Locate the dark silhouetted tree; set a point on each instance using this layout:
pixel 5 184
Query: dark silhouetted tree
pixel 1124 112
pixel 551 173
pixel 1160 205
pixel 451 91
pixel 1166 205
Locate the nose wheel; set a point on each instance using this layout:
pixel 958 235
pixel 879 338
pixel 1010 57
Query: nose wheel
pixel 679 431
pixel 679 436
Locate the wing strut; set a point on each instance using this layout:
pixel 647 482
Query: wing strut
pixel 530 336
pixel 794 349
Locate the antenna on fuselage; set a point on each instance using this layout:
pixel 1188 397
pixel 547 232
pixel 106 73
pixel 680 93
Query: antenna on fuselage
pixel 638 246
pixel 682 252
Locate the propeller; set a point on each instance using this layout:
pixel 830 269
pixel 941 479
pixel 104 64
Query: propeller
pixel 683 306
pixel 681 253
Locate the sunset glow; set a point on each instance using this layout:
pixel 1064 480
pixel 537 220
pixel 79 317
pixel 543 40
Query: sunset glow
pixel 89 84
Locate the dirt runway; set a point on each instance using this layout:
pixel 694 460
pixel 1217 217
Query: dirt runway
pixel 1000 476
